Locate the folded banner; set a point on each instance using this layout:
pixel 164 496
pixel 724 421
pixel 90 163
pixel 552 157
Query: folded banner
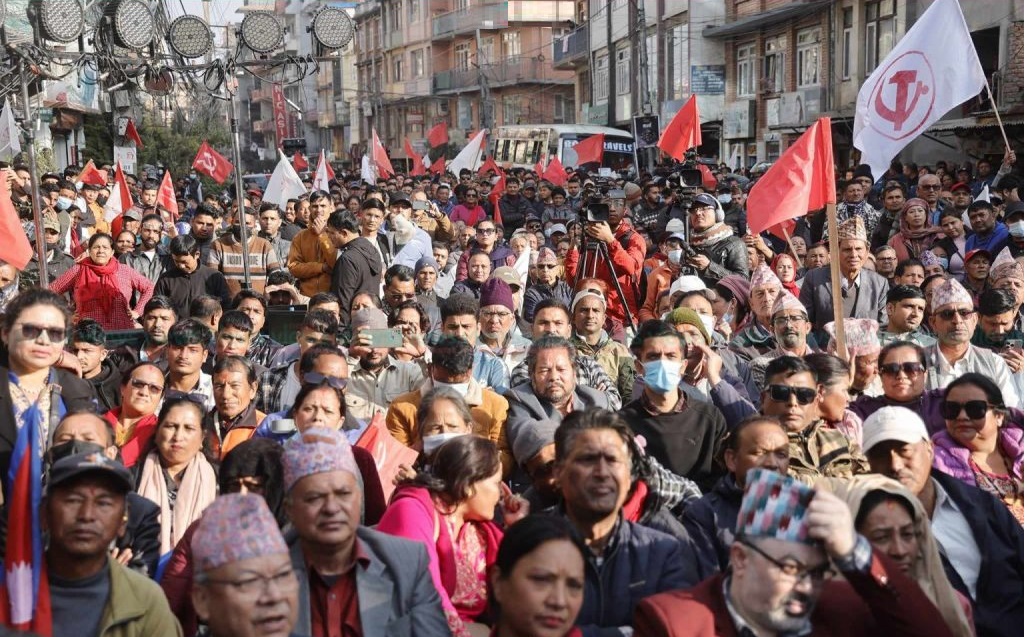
pixel 388 452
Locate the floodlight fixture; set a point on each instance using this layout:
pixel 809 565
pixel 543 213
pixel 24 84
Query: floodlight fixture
pixel 261 32
pixel 332 28
pixel 190 37
pixel 131 23
pixel 60 20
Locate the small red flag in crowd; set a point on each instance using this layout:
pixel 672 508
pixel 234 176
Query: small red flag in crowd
pixel 212 164
pixel 590 150
pixel 438 135
pixel 555 173
pixel 801 180
pixel 17 251
pixel 683 132
pixel 384 167
pixel 166 198
pixel 708 180
pixel 417 161
pixel 489 164
pixel 92 175
pixel 132 134
pixel 438 167
pixel 299 162
pixel 539 169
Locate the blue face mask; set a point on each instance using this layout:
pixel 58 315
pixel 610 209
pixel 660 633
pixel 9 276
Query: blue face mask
pixel 1017 229
pixel 662 376
pixel 945 263
pixel 63 203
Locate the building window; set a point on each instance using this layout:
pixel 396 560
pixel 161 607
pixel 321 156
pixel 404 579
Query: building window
pixel 395 16
pixel 601 78
pixel 462 4
pixel 808 57
pixel 463 56
pixel 511 44
pixel 745 70
pixel 486 55
pixel 847 55
pixel 396 69
pixel 511 109
pixel 677 63
pixel 880 32
pixel 651 44
pixel 774 64
pixel 414 11
pixel 623 71
pixel 416 63
pixel 563 109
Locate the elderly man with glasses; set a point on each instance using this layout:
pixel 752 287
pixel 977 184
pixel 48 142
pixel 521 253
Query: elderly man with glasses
pixel 485 241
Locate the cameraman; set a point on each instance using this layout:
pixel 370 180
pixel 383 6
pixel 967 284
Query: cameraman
pixel 626 251
pixel 715 251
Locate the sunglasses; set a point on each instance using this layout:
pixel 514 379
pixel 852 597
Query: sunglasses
pixel 151 387
pixel 782 394
pixel 929 187
pixel 546 267
pixel 32 332
pixel 313 378
pixel 485 231
pixel 976 409
pixel 909 369
pixel 948 315
pixel 192 397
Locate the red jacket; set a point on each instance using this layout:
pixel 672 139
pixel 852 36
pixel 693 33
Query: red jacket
pixel 883 601
pixel 627 262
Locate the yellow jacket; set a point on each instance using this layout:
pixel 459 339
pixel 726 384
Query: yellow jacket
pixel 306 259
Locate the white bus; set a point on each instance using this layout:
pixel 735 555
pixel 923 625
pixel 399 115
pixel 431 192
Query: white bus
pixel 524 145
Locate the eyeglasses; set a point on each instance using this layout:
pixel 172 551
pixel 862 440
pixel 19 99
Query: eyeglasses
pixel 153 388
pixel 253 587
pixel 975 409
pixel 546 266
pixel 471 194
pixel 780 321
pixel 485 231
pixel 314 378
pixel 948 315
pixel 930 187
pixel 53 334
pixel 782 394
pixel 499 314
pixel 909 369
pixel 192 397
pixel 792 570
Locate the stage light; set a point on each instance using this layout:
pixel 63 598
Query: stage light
pixel 60 20
pixel 261 32
pixel 131 23
pixel 332 28
pixel 190 37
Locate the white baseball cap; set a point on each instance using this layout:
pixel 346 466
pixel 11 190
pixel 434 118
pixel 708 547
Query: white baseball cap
pixel 892 423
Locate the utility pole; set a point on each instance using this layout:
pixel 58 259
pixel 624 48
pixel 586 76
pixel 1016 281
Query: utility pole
pixel 642 59
pixel 486 109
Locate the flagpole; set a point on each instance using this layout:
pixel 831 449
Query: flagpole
pixel 793 251
pixel 239 190
pixel 996 111
pixel 834 273
pixel 37 213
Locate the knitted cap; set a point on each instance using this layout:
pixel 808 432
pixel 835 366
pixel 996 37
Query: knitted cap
pixel 426 261
pixel 235 527
pixel 687 316
pixel 496 292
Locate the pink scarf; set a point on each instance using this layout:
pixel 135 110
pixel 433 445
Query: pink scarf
pixel 196 491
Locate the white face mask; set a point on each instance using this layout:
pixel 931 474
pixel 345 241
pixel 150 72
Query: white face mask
pixel 708 321
pixel 459 388
pixel 675 256
pixel 431 443
pixel 725 199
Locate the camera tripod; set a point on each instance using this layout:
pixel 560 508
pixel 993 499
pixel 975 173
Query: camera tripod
pixel 590 253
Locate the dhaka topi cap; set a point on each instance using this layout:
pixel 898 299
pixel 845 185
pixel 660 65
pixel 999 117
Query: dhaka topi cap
pixel 497 292
pixel 787 302
pixel 949 292
pixel 369 317
pixel 763 276
pixel 853 228
pixel 315 451
pixel 687 316
pixel 892 423
pixel 236 527
pixel 1005 267
pixel 774 506
pixel 861 336
pixel 929 258
pixel 547 256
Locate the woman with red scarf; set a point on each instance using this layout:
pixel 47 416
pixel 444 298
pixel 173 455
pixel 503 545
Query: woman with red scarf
pixel 102 289
pixel 785 268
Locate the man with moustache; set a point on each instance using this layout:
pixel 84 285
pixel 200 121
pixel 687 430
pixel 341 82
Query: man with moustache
pixel 150 258
pixel 791 327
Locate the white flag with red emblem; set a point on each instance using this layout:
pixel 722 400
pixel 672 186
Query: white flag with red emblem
pixel 932 69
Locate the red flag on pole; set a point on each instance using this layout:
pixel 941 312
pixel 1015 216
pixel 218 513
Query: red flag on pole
pixel 384 168
pixel 438 167
pixel 591 149
pixel 490 164
pixel 92 175
pixel 15 248
pixel 555 173
pixel 683 132
pixel 418 162
pixel 166 198
pixel 212 164
pixel 496 193
pixel 132 134
pixel 539 168
pixel 299 162
pixel 438 135
pixel 801 180
pixel 708 180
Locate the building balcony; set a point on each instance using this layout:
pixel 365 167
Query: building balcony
pixel 508 72
pixel 573 49
pixel 418 88
pixel 500 15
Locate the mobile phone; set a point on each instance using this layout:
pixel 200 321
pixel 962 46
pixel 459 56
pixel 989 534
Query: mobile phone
pixel 384 338
pixel 421 205
pixel 1013 343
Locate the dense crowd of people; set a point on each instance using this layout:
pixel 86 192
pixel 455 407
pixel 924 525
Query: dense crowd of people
pixel 598 408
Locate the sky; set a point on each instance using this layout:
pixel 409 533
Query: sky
pixel 221 11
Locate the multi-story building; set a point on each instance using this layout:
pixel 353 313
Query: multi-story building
pixel 612 69
pixel 470 63
pixel 788 63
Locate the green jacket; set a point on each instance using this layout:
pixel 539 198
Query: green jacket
pixel 137 607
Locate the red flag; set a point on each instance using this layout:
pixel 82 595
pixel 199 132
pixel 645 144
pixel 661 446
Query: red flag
pixel 92 175
pixel 539 169
pixel 489 164
pixel 132 134
pixel 330 171
pixel 438 135
pixel 683 132
pixel 388 452
pixel 15 248
pixel 212 164
pixel 555 173
pixel 591 149
pixel 496 193
pixel 783 229
pixel 299 162
pixel 384 168
pixel 166 198
pixel 120 199
pixel 801 180
pixel 418 162
pixel 708 180
pixel 438 167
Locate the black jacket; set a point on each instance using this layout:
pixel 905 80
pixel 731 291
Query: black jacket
pixel 998 606
pixel 726 256
pixel 514 212
pixel 182 288
pixel 358 269
pixel 711 524
pixel 107 385
pixel 142 534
